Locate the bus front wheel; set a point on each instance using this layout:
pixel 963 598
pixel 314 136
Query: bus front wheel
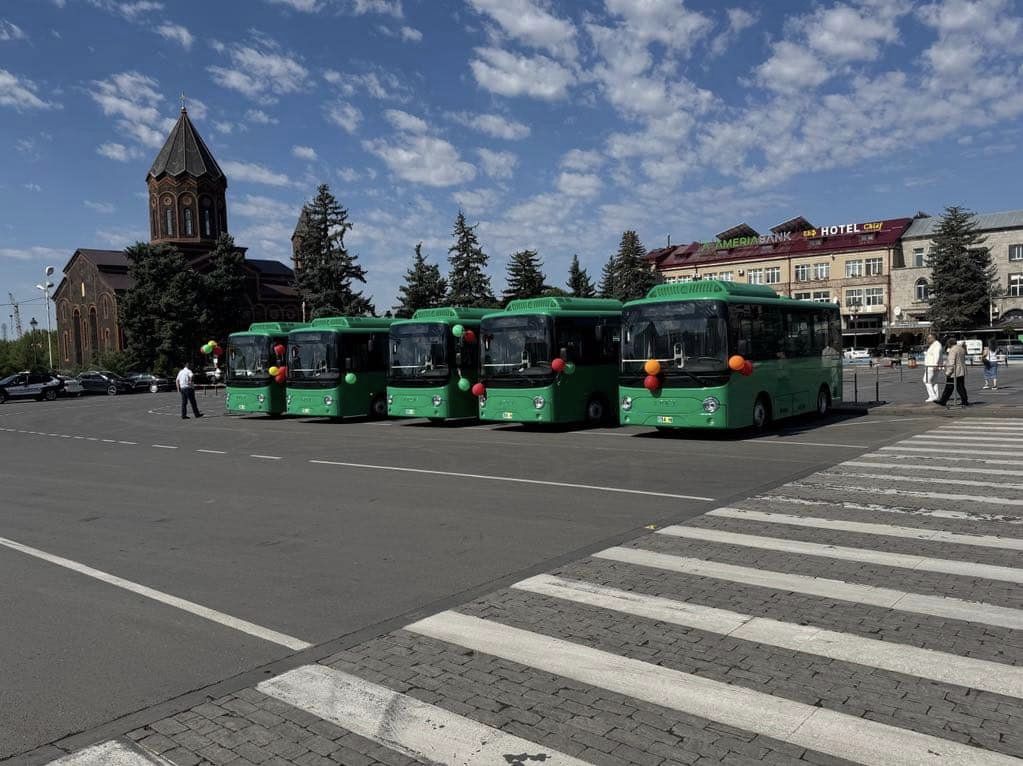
pixel 378 408
pixel 761 413
pixel 596 411
pixel 823 401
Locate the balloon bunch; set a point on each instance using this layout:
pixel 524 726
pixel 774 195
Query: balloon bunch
pixel 652 381
pixel 212 347
pixel 279 373
pixel 738 364
pixel 559 365
pixel 460 331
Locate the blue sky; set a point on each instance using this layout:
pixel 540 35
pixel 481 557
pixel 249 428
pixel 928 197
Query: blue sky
pixel 554 125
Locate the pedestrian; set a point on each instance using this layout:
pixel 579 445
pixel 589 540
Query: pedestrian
pixel 184 384
pixel 932 358
pixel 990 359
pixel 955 374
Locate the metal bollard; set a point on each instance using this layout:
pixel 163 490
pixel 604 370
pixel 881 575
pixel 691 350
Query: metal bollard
pixel 856 388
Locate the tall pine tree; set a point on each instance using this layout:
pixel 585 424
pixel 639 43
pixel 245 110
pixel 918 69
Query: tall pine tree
pixel 608 283
pixel 963 279
pixel 468 283
pixel 633 277
pixel 579 283
pixel 324 269
pixel 525 276
pixel 223 290
pixel 424 287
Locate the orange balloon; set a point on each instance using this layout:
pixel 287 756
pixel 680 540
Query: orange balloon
pixel 736 363
pixel 651 367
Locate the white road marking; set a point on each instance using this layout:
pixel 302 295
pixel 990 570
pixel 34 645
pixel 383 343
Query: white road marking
pixel 899 658
pixel 872 422
pixel 826 731
pixel 936 512
pixel 937 450
pixel 942 468
pixel 124 442
pixel 808 444
pixel 903 601
pixel 931 480
pixel 401 723
pixel 887 530
pixel 266 457
pixel 112 753
pixel 212 451
pixel 965 429
pixel 810 481
pixel 108 441
pixel 842 553
pixel 953 456
pixel 164 446
pixel 164 598
pixel 515 479
pixel 979 439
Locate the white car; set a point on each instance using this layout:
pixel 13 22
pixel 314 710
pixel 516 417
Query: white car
pixel 856 353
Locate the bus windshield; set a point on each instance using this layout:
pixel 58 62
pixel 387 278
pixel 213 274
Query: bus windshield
pixel 517 346
pixel 249 358
pixel 313 356
pixel 419 351
pixel 684 336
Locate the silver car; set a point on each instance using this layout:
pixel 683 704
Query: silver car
pixel 30 385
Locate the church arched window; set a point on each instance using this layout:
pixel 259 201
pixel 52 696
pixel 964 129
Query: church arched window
pixel 93 331
pixel 189 225
pixel 168 222
pixel 207 217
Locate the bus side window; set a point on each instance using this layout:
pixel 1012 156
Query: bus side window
pixel 797 333
pixel 571 333
pixel 611 340
pixel 357 351
pixel 378 351
pixel 820 331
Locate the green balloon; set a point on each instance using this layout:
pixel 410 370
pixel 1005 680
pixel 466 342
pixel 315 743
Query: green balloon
pixel 457 330
pixel 350 378
pixel 569 368
pixel 206 349
pixel 464 384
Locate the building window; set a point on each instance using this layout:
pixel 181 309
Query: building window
pixel 755 276
pixel 874 266
pixel 1016 252
pixel 725 276
pixel 772 276
pixel 918 257
pixel 106 340
pixel 67 350
pixel 822 271
pixel 1016 285
pixel 168 222
pixel 189 228
pixel 854 268
pixel 874 296
pixel 921 289
pixel 802 296
pixel 207 219
pixel 802 272
pixel 93 331
pixel 867 237
pixel 822 296
pixel 854 297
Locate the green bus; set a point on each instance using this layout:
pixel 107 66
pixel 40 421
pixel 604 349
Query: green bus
pixel 434 364
pixel 550 360
pixel 711 354
pixel 337 367
pixel 250 354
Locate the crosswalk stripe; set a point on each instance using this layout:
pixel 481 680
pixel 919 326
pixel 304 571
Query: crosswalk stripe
pixel 864 555
pixel 959 438
pixel 991 484
pixel 982 429
pixel 898 658
pixel 919 467
pixel 940 513
pixel 946 450
pixel 409 726
pixel 987 499
pixel 839 590
pixel 954 456
pixel 817 728
pixel 887 530
pixel 112 753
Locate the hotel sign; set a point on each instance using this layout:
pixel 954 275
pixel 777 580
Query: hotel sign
pixel 845 228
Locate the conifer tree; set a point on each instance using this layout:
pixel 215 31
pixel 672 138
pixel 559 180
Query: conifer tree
pixel 525 277
pixel 325 270
pixel 468 283
pixel 607 284
pixel 633 277
pixel 963 279
pixel 223 289
pixel 579 283
pixel 424 287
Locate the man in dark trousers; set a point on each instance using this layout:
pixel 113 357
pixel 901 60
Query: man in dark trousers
pixel 184 384
pixel 955 374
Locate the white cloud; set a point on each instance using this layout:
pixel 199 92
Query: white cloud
pixel 348 175
pixel 304 153
pixel 508 74
pixel 844 33
pixel 379 85
pixel 345 115
pixel 422 159
pixel 261 69
pixel 106 208
pixel 259 117
pixel 667 22
pixel 33 187
pixel 579 184
pixel 581 160
pixel 264 208
pixel 122 237
pixel 10 31
pixel 134 100
pixel 384 7
pixel 119 152
pixel 35 252
pixel 306 6
pixel 739 20
pixel 476 200
pixel 791 68
pixel 411 35
pixel 493 125
pixel 969 33
pixel 497 164
pixel 176 33
pixel 525 21
pixel 224 127
pixel 406 122
pixel 254 173
pixel 132 10
pixel 20 93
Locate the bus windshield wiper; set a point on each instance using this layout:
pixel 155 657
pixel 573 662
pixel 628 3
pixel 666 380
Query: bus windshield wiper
pixel 699 380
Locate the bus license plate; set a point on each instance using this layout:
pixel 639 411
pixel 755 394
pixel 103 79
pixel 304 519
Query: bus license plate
pixel 241 406
pixel 507 415
pixel 410 411
pixel 665 419
pixel 306 411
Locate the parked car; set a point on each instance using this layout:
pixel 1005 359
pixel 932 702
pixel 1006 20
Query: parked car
pixel 856 353
pixel 104 382
pixel 71 387
pixel 147 381
pixel 30 385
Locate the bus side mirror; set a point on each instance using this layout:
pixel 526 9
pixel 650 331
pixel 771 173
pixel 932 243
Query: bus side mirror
pixel 564 353
pixel 348 363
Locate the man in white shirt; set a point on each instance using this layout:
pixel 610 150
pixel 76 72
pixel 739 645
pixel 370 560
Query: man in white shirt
pixel 184 384
pixel 932 359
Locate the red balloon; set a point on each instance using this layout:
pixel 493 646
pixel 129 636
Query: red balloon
pixel 281 377
pixel 279 349
pixel 558 365
pixel 651 383
pixel 747 368
pixel 218 351
pixel 282 370
pixel 469 336
pixel 479 389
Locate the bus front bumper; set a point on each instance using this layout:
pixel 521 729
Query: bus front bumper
pixel 247 402
pixel 672 408
pixel 518 405
pixel 425 403
pixel 317 403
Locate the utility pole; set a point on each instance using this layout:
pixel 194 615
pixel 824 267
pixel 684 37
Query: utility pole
pixel 16 316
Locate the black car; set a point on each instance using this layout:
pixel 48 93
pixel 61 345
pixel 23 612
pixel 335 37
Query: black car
pixel 146 381
pixel 30 385
pixel 104 382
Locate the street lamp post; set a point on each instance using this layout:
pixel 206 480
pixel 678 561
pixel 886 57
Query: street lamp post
pixel 45 287
pixel 34 343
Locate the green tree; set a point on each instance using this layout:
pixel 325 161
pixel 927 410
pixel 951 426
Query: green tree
pixel 525 276
pixel 223 287
pixel 633 277
pixel 579 283
pixel 324 269
pixel 159 313
pixel 468 283
pixel 963 278
pixel 424 287
pixel 608 283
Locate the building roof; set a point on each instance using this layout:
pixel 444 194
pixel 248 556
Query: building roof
pixel 269 268
pixel 1011 219
pixel 185 153
pixel 742 230
pixel 103 257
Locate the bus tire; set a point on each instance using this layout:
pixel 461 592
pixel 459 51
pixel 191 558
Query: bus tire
pixel 596 411
pixel 762 412
pixel 436 421
pixel 823 401
pixel 378 408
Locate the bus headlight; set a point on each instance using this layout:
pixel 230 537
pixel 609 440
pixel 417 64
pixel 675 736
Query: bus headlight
pixel 260 398
pixel 328 400
pixel 287 400
pixel 626 403
pixel 390 399
pixel 437 400
pixel 711 404
pixel 227 398
pixel 539 402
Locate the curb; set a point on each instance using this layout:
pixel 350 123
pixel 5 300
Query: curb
pixel 974 411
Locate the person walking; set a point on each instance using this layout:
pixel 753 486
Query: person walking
pixel 990 359
pixel 955 374
pixel 932 358
pixel 184 384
